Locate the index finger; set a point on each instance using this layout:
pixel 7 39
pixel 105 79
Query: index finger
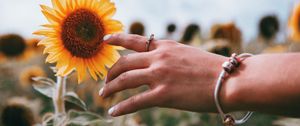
pixel 133 42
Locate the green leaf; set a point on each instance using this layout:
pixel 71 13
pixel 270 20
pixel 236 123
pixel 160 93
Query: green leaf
pixel 74 98
pixel 44 85
pixel 77 118
pixel 50 119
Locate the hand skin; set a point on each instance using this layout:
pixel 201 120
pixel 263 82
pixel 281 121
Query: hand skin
pixel 184 77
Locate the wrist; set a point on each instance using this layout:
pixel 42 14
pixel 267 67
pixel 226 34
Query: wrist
pixel 229 67
pixel 232 92
pixel 227 94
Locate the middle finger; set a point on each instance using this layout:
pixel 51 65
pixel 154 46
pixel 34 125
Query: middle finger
pixel 127 63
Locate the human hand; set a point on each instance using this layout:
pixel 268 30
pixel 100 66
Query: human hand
pixel 178 76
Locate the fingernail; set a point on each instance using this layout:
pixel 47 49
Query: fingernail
pixel 111 110
pixel 101 92
pixel 106 37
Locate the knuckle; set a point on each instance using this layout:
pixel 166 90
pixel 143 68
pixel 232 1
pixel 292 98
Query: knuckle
pixel 163 70
pixel 163 55
pixel 123 77
pixel 119 85
pixel 133 101
pixel 154 71
pixel 130 56
pixel 159 71
pixel 122 60
pixel 162 90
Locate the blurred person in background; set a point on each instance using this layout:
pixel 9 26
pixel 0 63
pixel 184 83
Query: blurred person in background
pixel 192 35
pixel 268 28
pixel 137 28
pixel 230 33
pixel 170 32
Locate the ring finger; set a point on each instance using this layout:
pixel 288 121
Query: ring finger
pixel 128 80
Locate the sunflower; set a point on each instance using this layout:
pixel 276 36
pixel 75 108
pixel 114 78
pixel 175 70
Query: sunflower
pixel 229 32
pixel 294 23
pixel 13 46
pixel 19 112
pixel 74 36
pixel 26 75
pixel 269 27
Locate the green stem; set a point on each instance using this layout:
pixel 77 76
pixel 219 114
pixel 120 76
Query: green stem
pixel 58 97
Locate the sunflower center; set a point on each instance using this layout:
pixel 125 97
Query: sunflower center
pixel 82 33
pixel 86 31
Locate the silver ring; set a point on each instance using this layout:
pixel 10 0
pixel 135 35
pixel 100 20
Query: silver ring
pixel 148 43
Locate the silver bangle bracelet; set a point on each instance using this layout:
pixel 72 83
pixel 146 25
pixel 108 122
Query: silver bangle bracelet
pixel 228 68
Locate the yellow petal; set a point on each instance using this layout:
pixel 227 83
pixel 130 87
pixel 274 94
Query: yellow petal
pixel 110 53
pixel 66 65
pixel 52 26
pixel 52 17
pixel 59 5
pixel 69 68
pixel 100 68
pixel 48 41
pixel 87 3
pixel 69 5
pixel 80 3
pixel 56 56
pixel 94 4
pixel 45 32
pixel 91 69
pixel 47 9
pixel 104 3
pixel 63 59
pixel 106 9
pixel 53 57
pixel 113 26
pixel 54 48
pixel 107 12
pixel 81 71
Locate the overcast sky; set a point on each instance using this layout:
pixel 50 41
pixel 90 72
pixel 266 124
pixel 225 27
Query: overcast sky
pixel 24 16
